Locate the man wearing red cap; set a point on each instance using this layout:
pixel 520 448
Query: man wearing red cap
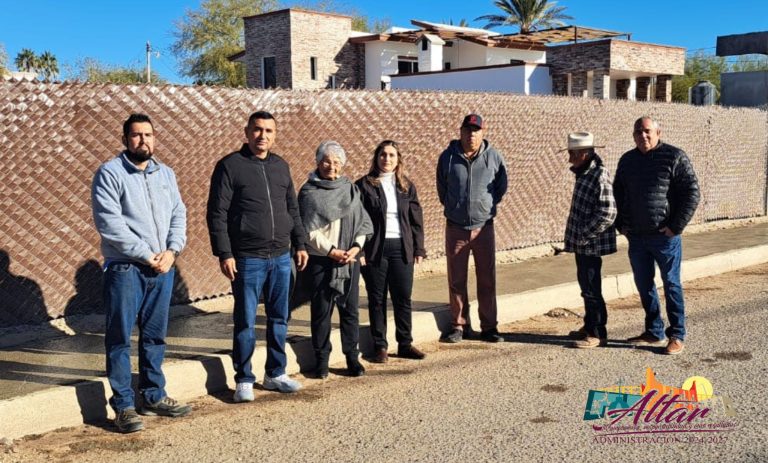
pixel 471 180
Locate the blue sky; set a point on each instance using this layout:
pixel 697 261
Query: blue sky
pixel 115 32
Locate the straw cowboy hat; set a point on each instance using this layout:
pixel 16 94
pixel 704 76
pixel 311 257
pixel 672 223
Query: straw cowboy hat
pixel 580 141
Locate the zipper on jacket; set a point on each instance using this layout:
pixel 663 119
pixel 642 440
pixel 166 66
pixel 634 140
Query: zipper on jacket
pixel 271 212
pixel 469 190
pixel 152 211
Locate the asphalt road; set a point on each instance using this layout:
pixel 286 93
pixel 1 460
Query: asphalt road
pixel 522 400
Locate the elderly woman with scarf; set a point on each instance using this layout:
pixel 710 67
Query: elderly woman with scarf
pixel 334 217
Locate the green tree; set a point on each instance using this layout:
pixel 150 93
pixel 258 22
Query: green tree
pixel 205 38
pixel 364 24
pixel 749 63
pixel 47 66
pixel 3 61
pixel 91 70
pixel 26 60
pixel 698 67
pixel 528 15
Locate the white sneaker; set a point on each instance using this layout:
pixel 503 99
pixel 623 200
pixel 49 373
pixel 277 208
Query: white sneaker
pixel 243 393
pixel 282 383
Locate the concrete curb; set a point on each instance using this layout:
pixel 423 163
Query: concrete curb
pixel 86 401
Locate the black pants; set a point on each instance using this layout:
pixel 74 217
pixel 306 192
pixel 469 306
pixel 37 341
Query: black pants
pixel 590 281
pixel 323 300
pixel 394 274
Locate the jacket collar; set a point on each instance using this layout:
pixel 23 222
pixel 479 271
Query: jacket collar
pixel 152 166
pixel 246 152
pixel 594 162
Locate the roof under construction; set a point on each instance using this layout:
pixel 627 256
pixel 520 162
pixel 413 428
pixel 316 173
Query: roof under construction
pixel 531 40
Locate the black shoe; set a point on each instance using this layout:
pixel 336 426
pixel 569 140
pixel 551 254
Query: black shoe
pixel 410 352
pixel 491 336
pixel 354 368
pixel 128 420
pixel 579 334
pixel 321 371
pixel 452 337
pixel 469 333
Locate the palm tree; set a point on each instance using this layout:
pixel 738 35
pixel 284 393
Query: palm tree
pixel 529 15
pixel 48 65
pixel 26 61
pixel 462 22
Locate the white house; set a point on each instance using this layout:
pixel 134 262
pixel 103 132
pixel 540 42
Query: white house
pixel 296 48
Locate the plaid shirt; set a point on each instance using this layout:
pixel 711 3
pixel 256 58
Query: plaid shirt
pixel 590 228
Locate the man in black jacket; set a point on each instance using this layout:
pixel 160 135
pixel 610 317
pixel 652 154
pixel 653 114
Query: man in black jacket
pixel 656 193
pixel 253 220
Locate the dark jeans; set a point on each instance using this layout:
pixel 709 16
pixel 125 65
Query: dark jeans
pixel 134 293
pixel 590 281
pixel 392 273
pixel 323 300
pixel 253 275
pixel 667 252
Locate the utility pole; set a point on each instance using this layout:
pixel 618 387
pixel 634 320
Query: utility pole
pixel 149 66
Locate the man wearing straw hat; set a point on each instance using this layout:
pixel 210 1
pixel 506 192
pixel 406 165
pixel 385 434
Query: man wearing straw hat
pixel 589 233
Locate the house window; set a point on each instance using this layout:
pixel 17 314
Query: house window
pixel 313 68
pixel 332 81
pixel 447 66
pixel 407 66
pixel 268 72
pixel 424 44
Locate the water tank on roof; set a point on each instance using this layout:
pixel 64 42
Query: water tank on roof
pixel 702 94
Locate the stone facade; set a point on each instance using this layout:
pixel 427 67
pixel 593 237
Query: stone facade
pixel 268 35
pixel 608 56
pixel 647 58
pixel 297 39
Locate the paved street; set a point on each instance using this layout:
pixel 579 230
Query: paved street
pixel 522 400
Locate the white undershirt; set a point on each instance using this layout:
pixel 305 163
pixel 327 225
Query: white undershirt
pixel 388 184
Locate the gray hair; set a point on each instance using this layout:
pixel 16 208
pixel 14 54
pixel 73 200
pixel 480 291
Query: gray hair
pixel 330 148
pixel 654 123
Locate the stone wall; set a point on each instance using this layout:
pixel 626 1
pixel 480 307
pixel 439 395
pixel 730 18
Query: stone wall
pixel 605 56
pixel 294 37
pixel 647 57
pixel 49 254
pixel 268 34
pixel 323 36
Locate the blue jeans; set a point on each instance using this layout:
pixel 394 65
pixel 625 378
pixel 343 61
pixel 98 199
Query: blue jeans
pixel 667 252
pixel 253 275
pixel 134 293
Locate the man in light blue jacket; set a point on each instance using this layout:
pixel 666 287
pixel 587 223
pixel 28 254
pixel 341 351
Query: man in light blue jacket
pixel 142 221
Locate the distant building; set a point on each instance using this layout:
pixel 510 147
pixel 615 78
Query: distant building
pixel 301 49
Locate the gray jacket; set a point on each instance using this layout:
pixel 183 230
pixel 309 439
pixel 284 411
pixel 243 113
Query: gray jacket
pixel 470 190
pixel 137 213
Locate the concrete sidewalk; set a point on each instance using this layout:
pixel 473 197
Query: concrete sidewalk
pixel 60 381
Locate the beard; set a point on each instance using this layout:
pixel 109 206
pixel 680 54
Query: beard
pixel 138 157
